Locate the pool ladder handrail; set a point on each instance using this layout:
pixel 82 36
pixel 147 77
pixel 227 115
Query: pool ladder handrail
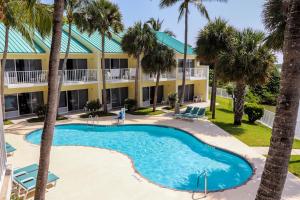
pixel 204 173
pixel 92 119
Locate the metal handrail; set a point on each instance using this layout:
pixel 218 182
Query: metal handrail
pixel 204 173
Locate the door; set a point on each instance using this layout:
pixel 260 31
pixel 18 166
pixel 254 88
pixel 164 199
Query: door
pixel 118 96
pixel 73 100
pixel 28 102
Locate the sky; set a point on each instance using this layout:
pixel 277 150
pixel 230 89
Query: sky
pixel 239 13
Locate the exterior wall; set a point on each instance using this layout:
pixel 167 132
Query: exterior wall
pixel 170 85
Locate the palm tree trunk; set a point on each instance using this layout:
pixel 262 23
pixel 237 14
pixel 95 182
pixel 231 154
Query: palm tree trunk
pixel 64 66
pixel 137 75
pixel 104 97
pixel 276 167
pixel 3 63
pixel 239 94
pixel 181 97
pixel 155 91
pixel 50 119
pixel 214 95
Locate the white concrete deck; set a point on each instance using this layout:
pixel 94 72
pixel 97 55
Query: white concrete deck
pixel 90 173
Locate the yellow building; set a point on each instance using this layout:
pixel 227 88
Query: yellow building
pixel 26 73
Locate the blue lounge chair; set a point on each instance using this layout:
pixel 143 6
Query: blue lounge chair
pixel 187 110
pixel 200 114
pixel 26 182
pixel 192 113
pixel 9 149
pixel 25 170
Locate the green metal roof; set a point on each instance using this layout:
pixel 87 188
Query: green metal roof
pixel 17 43
pixel 173 43
pixel 75 47
pixel 111 45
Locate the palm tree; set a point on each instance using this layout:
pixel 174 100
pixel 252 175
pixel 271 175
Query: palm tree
pixel 184 10
pixel 71 7
pixel 246 63
pixel 158 60
pixel 50 118
pixel 156 25
pixel 25 16
pixel 215 37
pixel 101 16
pixel 283 132
pixel 137 40
pixel 275 19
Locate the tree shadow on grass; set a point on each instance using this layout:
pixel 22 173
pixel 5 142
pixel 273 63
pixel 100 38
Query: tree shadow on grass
pixel 231 128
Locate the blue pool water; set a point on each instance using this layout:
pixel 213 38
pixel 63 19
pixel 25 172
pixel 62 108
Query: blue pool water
pixel 166 156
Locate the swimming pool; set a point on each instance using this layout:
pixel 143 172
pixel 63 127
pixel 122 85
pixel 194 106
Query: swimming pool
pixel 166 156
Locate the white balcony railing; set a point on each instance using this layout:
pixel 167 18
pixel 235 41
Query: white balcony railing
pixel 41 76
pixel 125 74
pixel 198 73
pixel 80 75
pixel 163 77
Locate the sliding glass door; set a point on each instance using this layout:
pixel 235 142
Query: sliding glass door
pixel 116 96
pixel 189 92
pixel 77 99
pixel 28 102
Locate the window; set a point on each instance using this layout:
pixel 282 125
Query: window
pixel 73 64
pixel 116 63
pixel 10 65
pixel 11 103
pixel 189 92
pixel 146 94
pixel 63 99
pixel 190 63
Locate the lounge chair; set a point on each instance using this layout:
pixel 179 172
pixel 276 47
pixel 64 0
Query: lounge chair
pixel 187 110
pixel 26 183
pixel 192 113
pixel 200 114
pixel 25 170
pixel 9 149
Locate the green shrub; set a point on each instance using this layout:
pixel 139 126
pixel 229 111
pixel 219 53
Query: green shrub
pixel 40 111
pixel 93 106
pixel 172 99
pixel 254 111
pixel 251 97
pixel 130 104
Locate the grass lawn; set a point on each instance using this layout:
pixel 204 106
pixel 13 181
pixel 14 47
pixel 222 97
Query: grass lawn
pixel 41 119
pixel 98 113
pixel 251 134
pixel 270 108
pixel 7 122
pixel 146 111
pixel 172 109
pixel 294 165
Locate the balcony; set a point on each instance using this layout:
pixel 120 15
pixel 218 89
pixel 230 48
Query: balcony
pixel 40 77
pixel 120 75
pixel 199 73
pixel 163 77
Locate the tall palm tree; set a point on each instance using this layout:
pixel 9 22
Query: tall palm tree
pixel 246 63
pixel 156 25
pixel 283 132
pixel 215 37
pixel 50 118
pixel 158 60
pixel 25 16
pixel 101 16
pixel 71 7
pixel 137 40
pixel 184 11
pixel 275 19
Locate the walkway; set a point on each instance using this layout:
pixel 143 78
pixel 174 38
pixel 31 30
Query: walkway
pixel 264 150
pixel 91 173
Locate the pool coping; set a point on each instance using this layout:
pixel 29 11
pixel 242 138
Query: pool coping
pixel 132 163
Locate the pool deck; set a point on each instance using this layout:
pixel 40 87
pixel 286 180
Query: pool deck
pixel 91 173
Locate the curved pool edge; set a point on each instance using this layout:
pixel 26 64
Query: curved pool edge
pixel 253 168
